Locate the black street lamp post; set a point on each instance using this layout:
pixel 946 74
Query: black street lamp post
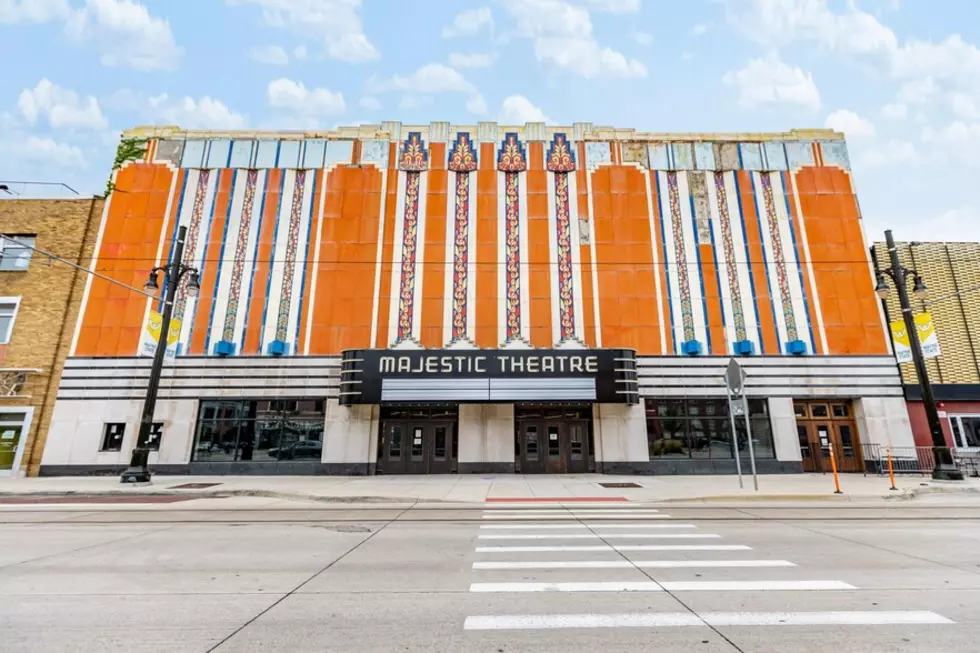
pixel 173 274
pixel 944 467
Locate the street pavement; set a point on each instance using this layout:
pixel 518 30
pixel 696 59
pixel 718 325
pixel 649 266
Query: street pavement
pixel 254 574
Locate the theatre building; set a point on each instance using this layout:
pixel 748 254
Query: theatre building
pixel 388 299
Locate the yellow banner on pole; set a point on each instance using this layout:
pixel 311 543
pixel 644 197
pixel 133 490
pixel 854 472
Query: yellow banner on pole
pixel 151 336
pixel 927 338
pixel 900 338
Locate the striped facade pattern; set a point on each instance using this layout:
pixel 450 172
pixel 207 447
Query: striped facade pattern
pixel 485 236
pixel 951 272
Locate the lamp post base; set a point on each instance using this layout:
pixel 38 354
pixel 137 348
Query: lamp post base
pixel 947 472
pixel 137 473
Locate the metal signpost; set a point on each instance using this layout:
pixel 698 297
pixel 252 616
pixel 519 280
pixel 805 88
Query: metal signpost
pixel 734 387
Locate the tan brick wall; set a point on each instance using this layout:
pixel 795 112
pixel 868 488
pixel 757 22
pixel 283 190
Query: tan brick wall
pixel 51 295
pixel 946 269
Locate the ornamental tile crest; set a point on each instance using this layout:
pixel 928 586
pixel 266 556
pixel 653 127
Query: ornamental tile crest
pixel 462 157
pixel 511 157
pixel 413 157
pixel 560 157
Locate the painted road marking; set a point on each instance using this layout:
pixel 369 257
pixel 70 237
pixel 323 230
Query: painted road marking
pixel 651 586
pixel 582 526
pixel 604 536
pixel 614 547
pixel 628 564
pixel 570 516
pixel 671 619
pixel 576 511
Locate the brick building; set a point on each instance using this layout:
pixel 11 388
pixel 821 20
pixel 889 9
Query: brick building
pixel 437 298
pixel 39 302
pixel 951 272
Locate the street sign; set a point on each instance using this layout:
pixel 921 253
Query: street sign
pixel 734 377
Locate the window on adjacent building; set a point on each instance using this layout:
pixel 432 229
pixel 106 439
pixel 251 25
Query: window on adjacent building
pixel 8 313
pixel 153 441
pixel 14 256
pixel 260 431
pixel 701 429
pixel 112 436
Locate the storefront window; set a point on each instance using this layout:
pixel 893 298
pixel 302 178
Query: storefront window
pixel 260 431
pixel 701 429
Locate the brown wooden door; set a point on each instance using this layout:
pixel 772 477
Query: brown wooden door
pixel 847 448
pixel 809 447
pixel 578 447
pixel 556 444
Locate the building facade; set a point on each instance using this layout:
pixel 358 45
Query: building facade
pixel 951 271
pixel 439 298
pixel 39 303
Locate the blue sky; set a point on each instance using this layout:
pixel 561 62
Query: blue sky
pixel 898 76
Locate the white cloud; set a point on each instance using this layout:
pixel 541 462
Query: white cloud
pixel 562 37
pixel 517 110
pixel 336 22
pixel 918 92
pixel 370 103
pixel 127 35
pixel 294 97
pixel 964 106
pixel 643 38
pixel 273 55
pixel 429 80
pixel 892 152
pixel 699 29
pixel 770 81
pixel 615 6
pixel 186 112
pixel 472 60
pixel 895 111
pixel 958 224
pixel 850 124
pixel 468 23
pixel 958 141
pixel 60 107
pixel 44 152
pixel 33 11
pixel 299 52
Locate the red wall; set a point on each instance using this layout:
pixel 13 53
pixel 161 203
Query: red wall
pixel 920 425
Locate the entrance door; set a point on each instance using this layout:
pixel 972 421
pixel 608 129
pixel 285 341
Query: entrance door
pixel 816 439
pixel 552 447
pixel 416 448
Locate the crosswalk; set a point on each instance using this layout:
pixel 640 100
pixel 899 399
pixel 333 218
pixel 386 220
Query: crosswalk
pixel 581 549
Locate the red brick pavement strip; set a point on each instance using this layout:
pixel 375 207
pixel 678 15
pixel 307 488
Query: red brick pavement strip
pixel 76 498
pixel 551 499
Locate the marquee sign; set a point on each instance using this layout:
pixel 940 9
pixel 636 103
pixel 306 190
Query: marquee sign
pixel 372 376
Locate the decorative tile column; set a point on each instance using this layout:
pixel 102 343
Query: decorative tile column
pixel 413 160
pixel 226 346
pixel 560 160
pixel 279 346
pixel 462 161
pixel 794 344
pixel 742 345
pixel 512 161
pixel 691 345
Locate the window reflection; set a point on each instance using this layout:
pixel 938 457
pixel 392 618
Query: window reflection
pixel 701 429
pixel 260 431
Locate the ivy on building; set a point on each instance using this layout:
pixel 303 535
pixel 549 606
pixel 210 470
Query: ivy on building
pixel 130 149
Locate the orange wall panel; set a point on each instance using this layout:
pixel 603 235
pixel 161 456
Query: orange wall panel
pixel 538 235
pixel 263 263
pixel 209 273
pixel 487 293
pixel 712 301
pixel 387 252
pixel 113 316
pixel 753 237
pixel 801 256
pixel 432 271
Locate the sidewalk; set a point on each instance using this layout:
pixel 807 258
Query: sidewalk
pixel 513 488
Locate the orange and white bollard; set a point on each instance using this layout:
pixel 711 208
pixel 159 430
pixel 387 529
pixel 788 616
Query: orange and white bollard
pixel 891 472
pixel 833 468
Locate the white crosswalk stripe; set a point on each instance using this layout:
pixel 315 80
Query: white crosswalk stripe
pixel 618 533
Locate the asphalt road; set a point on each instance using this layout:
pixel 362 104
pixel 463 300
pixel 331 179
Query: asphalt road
pixel 589 578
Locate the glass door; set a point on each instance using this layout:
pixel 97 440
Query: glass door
pixel 556 446
pixel 15 424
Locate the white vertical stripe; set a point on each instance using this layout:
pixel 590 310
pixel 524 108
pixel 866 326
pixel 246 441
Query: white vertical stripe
pixel 654 239
pixel 227 265
pixel 471 253
pixel 791 260
pixel 396 266
pixel 447 292
pixel 305 223
pixel 376 299
pixel 595 268
pixel 671 263
pixel 196 257
pixel 420 257
pixel 501 257
pixel 553 260
pixel 525 267
pixel 725 267
pixel 741 264
pixel 576 254
pixel 773 276
pixel 694 270
pixel 311 305
pixel 278 267
pixel 258 219
pixel 814 295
